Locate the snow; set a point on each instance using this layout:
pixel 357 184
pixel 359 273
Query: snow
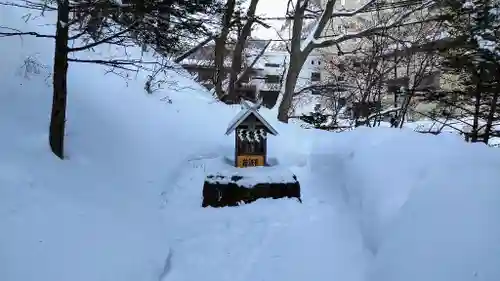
pixel 468 4
pixel 423 218
pixel 378 204
pixel 201 62
pixel 264 239
pixel 279 58
pixel 251 176
pixel 447 209
pixel 494 142
pixel 450 125
pixel 96 215
pixel 247 109
pixel 310 39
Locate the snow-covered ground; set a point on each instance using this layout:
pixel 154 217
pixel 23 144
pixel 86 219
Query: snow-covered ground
pixel 428 204
pixel 378 204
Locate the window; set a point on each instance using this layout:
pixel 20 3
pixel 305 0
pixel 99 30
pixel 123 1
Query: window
pixel 312 61
pixel 272 79
pixel 315 91
pixel 268 64
pixel 394 85
pixel 315 76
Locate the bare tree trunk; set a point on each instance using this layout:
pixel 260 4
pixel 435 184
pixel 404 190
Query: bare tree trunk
pixel 379 102
pixel 491 115
pixel 220 48
pixel 290 82
pixel 297 60
pixel 238 52
pixel 58 114
pixel 404 107
pixel 477 108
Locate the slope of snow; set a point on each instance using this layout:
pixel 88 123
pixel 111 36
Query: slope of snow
pixel 125 204
pixel 428 205
pixel 97 215
pixel 447 230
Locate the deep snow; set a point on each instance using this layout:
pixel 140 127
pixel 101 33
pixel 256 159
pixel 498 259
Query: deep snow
pixel 378 204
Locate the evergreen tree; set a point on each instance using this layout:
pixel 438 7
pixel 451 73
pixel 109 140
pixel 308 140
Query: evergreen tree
pixel 317 119
pixel 475 57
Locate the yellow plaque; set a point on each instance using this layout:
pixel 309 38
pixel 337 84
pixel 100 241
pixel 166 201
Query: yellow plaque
pixel 250 161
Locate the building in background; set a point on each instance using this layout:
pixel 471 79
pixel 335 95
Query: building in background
pixel 265 77
pixel 201 66
pixel 271 68
pixel 404 72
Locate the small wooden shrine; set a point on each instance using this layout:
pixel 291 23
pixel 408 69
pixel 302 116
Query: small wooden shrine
pixel 251 130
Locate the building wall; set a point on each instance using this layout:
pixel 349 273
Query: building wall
pixel 275 63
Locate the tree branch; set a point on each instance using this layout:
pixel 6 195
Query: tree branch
pixel 30 5
pixel 114 63
pixel 20 33
pixel 370 31
pixel 363 33
pixel 105 40
pixel 78 35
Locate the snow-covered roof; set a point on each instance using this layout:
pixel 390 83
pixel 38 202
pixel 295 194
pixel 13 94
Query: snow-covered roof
pixel 244 113
pixel 204 62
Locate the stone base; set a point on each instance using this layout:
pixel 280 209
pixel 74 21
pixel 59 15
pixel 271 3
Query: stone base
pixel 222 191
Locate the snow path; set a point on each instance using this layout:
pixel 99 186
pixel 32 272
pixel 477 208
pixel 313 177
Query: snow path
pixel 266 240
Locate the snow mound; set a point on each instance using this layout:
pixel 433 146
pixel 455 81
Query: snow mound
pixel 428 206
pixel 448 229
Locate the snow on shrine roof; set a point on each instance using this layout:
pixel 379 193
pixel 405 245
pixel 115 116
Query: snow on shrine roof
pixel 243 114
